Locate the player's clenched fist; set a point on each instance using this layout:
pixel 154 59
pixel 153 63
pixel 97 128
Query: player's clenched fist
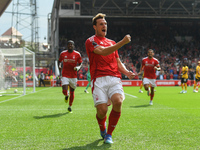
pixel 127 39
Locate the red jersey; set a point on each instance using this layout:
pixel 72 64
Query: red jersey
pixel 70 61
pixel 101 65
pixel 148 65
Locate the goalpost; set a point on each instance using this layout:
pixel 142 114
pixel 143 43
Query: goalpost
pixel 1 72
pixel 17 71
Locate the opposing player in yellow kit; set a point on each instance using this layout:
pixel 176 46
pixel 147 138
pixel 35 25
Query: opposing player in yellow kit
pixel 197 78
pixel 184 78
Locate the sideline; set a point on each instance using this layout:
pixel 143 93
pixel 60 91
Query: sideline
pixel 131 95
pixel 23 95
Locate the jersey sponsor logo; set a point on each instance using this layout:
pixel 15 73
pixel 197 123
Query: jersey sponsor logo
pixel 150 65
pixel 69 60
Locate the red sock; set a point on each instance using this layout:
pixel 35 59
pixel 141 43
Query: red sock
pixel 113 119
pixel 71 98
pixel 152 95
pixel 101 123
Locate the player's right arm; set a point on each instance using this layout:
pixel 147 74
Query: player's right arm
pixel 60 60
pixel 59 65
pixel 109 50
pixel 141 68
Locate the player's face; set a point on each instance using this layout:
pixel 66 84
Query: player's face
pixel 150 54
pixel 101 27
pixel 70 47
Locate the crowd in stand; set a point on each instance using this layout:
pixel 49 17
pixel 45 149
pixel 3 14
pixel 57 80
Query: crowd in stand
pixel 157 35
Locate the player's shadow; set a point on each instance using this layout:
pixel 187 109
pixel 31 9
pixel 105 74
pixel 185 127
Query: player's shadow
pixel 51 116
pixel 93 146
pixel 139 106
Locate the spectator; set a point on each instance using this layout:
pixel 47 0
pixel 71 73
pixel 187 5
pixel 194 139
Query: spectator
pixel 42 77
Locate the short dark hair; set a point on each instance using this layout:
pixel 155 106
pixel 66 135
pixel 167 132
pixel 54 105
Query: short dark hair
pixel 150 50
pixel 70 41
pixel 98 16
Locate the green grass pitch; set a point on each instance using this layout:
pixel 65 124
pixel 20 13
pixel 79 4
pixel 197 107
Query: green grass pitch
pixel 40 121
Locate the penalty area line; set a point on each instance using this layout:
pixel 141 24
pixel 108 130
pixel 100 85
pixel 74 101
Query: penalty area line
pixel 11 99
pixel 131 95
pixel 23 95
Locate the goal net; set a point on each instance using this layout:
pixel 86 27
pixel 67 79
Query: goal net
pixel 17 71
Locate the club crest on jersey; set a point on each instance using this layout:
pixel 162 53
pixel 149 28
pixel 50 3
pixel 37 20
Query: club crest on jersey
pixel 96 97
pixel 101 42
pixel 73 56
pixel 95 44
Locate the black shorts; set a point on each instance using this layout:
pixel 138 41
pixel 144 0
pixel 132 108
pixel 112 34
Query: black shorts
pixel 197 79
pixel 183 80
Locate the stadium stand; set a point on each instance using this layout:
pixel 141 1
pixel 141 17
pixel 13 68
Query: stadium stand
pixel 174 41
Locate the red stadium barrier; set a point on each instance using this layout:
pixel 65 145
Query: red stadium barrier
pixel 124 83
pixel 138 82
pixel 28 84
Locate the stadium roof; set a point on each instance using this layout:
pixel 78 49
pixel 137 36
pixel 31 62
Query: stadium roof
pixel 3 5
pixel 142 8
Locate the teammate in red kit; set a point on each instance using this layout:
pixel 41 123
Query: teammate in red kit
pixel 105 70
pixel 70 59
pixel 150 65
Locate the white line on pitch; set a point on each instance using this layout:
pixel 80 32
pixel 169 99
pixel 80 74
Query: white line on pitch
pixel 23 95
pixel 131 95
pixel 11 99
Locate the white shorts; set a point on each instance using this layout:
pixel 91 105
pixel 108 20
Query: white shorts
pixel 69 81
pixel 149 81
pixel 103 88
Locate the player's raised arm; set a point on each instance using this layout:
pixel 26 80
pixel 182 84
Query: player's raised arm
pixel 123 69
pixel 109 50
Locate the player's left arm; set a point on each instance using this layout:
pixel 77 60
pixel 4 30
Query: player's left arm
pixel 123 69
pixel 80 63
pixel 157 66
pixel 77 68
